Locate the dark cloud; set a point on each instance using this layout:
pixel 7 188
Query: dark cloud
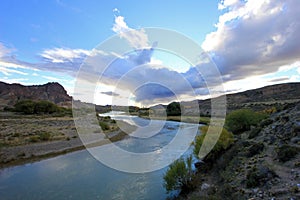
pixel 280 79
pixel 110 93
pixel 153 91
pixel 255 37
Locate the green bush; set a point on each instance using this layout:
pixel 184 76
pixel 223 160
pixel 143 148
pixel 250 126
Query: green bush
pixel 45 107
pixel 36 107
pixel 45 136
pixel 61 112
pixel 179 176
pixel 241 120
pixel 104 126
pixel 34 138
pixel 225 140
pixel 25 106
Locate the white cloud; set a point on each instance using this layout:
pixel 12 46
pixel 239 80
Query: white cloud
pixel 136 38
pixel 226 3
pixel 9 64
pixel 255 37
pixel 62 55
pixel 7 71
pixel 116 10
pixel 285 68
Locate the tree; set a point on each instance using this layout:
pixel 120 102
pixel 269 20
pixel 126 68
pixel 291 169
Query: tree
pixel 180 175
pixel 173 109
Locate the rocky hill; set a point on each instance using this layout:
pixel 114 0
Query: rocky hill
pixel 274 94
pixel 258 99
pixel 54 92
pixel 263 163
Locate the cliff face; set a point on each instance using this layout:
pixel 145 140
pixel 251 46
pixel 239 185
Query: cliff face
pixel 54 92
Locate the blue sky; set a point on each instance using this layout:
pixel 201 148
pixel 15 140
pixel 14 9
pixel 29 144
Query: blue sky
pixel 253 43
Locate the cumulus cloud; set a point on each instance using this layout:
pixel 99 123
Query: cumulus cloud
pixel 255 37
pixel 136 38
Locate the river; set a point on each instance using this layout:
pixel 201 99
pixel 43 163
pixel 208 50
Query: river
pixel 79 175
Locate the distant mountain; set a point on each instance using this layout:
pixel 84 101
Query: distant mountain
pixel 54 92
pixel 257 99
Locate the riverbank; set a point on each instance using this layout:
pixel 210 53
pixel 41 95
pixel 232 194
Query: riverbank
pixel 263 163
pixel 30 138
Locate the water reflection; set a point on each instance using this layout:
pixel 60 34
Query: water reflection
pixel 78 175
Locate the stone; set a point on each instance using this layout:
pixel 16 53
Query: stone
pixel 205 186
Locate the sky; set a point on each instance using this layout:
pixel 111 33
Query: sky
pixel 252 44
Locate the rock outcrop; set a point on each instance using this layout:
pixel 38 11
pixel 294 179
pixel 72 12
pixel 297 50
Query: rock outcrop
pixel 54 92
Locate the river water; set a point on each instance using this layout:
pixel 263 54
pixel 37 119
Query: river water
pixel 79 175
